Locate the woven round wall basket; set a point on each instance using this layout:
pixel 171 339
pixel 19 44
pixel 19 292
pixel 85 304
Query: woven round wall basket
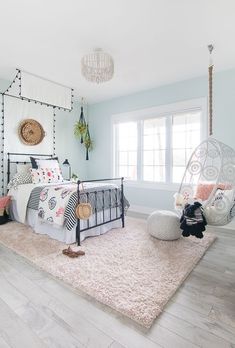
pixel 31 132
pixel 83 211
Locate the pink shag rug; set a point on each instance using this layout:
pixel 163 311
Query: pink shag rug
pixel 126 269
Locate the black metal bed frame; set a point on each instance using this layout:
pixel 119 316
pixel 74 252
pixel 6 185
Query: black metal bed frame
pixel 9 162
pixel 119 213
pixel 119 216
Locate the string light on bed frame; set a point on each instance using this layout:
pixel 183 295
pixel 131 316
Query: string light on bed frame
pixel 19 82
pixel 14 81
pixel 54 124
pixel 2 147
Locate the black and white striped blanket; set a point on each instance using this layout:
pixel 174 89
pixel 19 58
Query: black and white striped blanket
pixel 93 194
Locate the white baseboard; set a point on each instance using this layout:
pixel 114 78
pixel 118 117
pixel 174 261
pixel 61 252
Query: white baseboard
pixel 141 209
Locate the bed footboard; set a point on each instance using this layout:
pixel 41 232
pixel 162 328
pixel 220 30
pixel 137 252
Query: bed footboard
pixel 115 210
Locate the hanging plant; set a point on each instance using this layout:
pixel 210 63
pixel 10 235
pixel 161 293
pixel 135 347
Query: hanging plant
pixel 80 127
pixel 81 130
pixel 88 142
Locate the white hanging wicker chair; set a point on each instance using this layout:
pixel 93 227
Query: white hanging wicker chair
pixel 210 174
pixel 210 178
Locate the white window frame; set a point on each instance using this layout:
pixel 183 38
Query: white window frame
pixel 154 112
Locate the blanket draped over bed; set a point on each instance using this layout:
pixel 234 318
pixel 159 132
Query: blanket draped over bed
pixel 53 201
pixel 56 204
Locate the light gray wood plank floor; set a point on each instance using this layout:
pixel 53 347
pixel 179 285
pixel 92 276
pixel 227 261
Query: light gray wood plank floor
pixel 37 310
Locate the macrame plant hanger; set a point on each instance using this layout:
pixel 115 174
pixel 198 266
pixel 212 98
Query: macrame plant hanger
pixel 81 130
pixel 87 142
pixel 82 123
pixel 87 137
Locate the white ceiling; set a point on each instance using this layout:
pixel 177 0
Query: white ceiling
pixel 153 42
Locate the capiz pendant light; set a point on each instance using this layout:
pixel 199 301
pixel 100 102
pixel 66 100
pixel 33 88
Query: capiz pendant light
pixel 97 66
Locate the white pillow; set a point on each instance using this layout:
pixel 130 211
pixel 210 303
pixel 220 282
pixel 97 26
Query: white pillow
pixel 42 163
pixel 23 168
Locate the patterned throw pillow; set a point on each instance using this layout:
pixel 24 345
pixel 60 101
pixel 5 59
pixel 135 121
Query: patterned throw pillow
pixel 46 175
pixel 227 196
pixel 19 179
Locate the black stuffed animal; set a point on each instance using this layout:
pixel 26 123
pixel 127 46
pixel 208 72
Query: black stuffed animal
pixel 193 221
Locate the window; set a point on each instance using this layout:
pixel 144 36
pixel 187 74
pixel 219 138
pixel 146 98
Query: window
pixel 156 149
pixel 127 149
pixel 185 137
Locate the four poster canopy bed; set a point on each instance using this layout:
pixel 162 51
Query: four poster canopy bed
pixel 40 197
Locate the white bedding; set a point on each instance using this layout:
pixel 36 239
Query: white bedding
pixel 21 213
pixel 21 197
pixel 69 237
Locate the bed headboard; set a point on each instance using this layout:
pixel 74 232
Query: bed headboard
pixel 12 158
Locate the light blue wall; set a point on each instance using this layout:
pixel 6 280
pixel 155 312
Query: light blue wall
pixel 100 125
pixel 66 144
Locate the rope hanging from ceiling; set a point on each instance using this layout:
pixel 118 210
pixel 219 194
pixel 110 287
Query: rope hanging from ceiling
pixel 210 94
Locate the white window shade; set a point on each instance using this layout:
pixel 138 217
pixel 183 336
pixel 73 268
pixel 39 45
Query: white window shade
pixel 36 88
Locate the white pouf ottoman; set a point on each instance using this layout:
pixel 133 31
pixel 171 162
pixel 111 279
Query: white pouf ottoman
pixel 164 224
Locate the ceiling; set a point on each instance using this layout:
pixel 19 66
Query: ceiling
pixel 153 42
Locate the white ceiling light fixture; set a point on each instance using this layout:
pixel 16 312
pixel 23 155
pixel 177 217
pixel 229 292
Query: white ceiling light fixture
pixel 97 66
